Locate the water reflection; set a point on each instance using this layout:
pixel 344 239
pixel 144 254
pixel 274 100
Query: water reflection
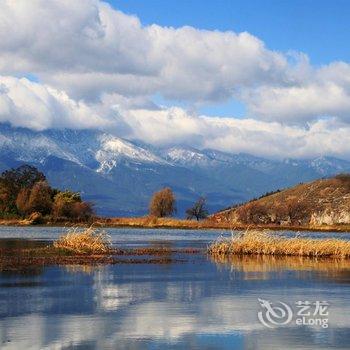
pixel 267 267
pixel 199 304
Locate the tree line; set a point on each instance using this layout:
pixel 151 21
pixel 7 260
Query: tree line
pixel 25 191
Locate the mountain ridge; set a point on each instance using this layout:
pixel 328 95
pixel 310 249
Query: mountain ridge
pixel 120 175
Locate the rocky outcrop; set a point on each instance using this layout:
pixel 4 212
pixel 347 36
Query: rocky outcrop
pixel 330 217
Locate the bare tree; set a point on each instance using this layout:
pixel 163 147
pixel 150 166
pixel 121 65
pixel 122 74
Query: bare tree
pixel 198 210
pixel 162 203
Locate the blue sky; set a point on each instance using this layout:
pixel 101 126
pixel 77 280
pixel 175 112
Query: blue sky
pixel 317 28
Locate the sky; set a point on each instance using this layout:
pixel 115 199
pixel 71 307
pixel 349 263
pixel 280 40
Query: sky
pixel 300 25
pixel 283 25
pixel 270 78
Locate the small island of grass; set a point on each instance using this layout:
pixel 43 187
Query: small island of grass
pixel 265 243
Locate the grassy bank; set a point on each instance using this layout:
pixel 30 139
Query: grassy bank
pixel 264 243
pixel 171 223
pixel 152 222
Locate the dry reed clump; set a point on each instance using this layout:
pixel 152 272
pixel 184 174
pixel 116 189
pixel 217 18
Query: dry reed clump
pixel 89 241
pixel 265 243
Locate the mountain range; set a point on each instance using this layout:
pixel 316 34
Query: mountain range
pixel 119 176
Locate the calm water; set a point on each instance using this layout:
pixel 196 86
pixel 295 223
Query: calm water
pixel 196 304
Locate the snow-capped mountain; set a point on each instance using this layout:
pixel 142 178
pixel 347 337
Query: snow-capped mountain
pixel 119 176
pixel 87 148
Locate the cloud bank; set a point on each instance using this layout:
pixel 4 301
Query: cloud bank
pixel 100 68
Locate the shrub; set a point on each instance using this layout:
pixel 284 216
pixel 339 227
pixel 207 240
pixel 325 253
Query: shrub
pixel 344 179
pixel 162 203
pixel 62 206
pixel 22 201
pixel 40 198
pixel 6 205
pixel 252 212
pixel 89 241
pixel 298 211
pixel 68 204
pixel 82 210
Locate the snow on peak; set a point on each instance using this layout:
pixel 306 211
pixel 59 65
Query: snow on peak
pixel 112 149
pixel 186 156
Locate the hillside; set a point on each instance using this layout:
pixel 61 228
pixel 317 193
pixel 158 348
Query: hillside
pixel 321 202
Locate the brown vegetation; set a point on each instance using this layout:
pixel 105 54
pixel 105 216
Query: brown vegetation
pixel 162 203
pixel 69 205
pixel 264 243
pixel 40 198
pixel 321 202
pixel 89 241
pixel 24 191
pixel 89 248
pixel 209 223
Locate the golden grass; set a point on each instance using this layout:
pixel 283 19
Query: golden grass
pixel 265 243
pixel 209 223
pixel 152 222
pixel 89 241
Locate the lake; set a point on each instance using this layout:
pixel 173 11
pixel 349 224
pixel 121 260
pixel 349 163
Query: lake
pixel 193 303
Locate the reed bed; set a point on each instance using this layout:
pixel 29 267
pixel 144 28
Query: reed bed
pixel 265 243
pixel 89 241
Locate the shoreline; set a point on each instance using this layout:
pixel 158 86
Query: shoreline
pixel 171 223
pixel 93 247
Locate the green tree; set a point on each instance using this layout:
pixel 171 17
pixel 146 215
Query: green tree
pixel 162 203
pixel 198 210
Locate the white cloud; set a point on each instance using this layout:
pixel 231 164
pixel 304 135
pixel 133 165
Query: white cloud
pixel 36 106
pixel 87 47
pixel 99 67
pixel 271 139
pixel 316 93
